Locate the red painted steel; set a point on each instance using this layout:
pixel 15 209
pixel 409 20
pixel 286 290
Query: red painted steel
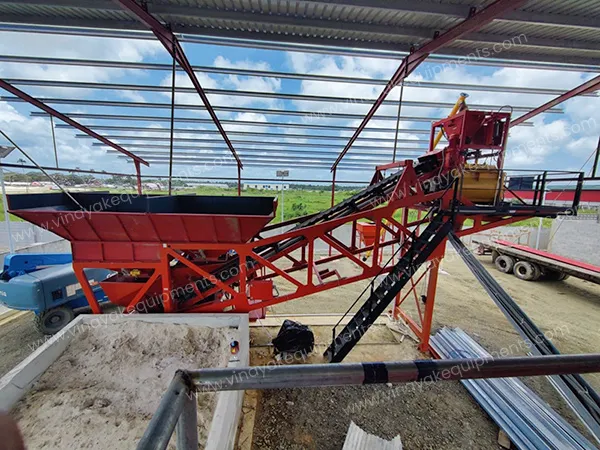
pixel 566 195
pixel 201 263
pixel 171 43
pixel 589 86
pixel 412 61
pixel 39 104
pixel 549 255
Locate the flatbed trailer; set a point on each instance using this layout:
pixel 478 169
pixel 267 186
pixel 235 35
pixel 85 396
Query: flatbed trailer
pixel 530 264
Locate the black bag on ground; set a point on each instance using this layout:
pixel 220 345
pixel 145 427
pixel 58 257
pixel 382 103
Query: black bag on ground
pixel 294 337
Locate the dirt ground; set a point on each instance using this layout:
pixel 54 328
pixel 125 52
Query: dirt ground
pixel 434 416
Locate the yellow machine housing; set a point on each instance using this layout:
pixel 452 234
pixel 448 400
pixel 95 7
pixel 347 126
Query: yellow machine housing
pixel 481 183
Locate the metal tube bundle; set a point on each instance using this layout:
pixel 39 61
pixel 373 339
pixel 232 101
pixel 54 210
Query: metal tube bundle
pixel 580 396
pixel 527 420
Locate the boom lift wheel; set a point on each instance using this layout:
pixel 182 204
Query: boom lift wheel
pixel 504 263
pixel 524 270
pixel 53 320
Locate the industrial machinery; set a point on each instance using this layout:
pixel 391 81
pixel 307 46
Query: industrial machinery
pixel 208 254
pixel 46 284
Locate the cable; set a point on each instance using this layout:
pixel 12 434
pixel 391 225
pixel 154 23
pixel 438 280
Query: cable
pixel 14 144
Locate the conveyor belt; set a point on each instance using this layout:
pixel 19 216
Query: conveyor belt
pixel 374 194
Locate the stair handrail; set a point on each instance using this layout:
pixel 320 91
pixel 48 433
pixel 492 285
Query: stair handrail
pixel 454 184
pixel 372 282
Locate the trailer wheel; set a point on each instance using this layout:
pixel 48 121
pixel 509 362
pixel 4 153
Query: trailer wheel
pixel 495 255
pixel 505 263
pixel 556 275
pixel 525 270
pixel 53 320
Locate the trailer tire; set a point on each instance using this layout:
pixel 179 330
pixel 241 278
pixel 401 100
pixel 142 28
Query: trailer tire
pixel 556 275
pixel 537 272
pixel 525 270
pixel 505 263
pixel 495 255
pixel 53 320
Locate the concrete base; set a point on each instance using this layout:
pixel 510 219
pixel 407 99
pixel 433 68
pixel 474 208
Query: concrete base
pixel 15 384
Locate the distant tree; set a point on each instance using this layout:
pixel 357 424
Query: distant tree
pixel 22 162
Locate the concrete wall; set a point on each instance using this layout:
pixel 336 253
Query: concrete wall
pixel 57 246
pixel 577 238
pixel 519 235
pixel 24 234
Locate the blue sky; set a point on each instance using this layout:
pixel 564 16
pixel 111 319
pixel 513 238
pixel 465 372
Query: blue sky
pixel 557 141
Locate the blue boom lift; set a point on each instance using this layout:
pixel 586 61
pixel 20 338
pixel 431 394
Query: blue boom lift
pixel 46 284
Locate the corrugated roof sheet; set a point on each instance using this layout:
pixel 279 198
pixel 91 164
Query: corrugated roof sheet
pixel 557 30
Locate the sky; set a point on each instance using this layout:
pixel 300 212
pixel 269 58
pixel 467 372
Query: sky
pixel 558 141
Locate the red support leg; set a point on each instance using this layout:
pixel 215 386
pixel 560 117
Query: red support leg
pixel 139 177
pixel 429 303
pixel 239 180
pixel 87 289
pixel 332 197
pixel 166 282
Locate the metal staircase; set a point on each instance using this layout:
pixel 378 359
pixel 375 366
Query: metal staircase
pixel 420 249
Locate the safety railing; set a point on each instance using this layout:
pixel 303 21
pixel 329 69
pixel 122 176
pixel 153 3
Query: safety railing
pixel 177 411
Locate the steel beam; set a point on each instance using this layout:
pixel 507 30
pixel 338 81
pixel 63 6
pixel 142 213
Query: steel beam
pixel 255 94
pixel 172 45
pixel 313 115
pixel 174 12
pixel 138 118
pixel 278 143
pixel 38 104
pixel 412 61
pixel 215 164
pixel 325 137
pixel 158 149
pixel 120 174
pixel 275 74
pixel 427 7
pixel 374 159
pixel 587 87
pixel 299 43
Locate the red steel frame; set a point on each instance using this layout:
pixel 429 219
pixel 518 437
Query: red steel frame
pixel 299 272
pixel 41 105
pixel 171 43
pixel 475 21
pixel 589 86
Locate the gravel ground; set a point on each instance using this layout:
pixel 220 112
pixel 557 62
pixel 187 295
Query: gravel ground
pixel 425 417
pixel 442 415
pixel 18 339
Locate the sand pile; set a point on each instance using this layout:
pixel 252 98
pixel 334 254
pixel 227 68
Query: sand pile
pixel 102 391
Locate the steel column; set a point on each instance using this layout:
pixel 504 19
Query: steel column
pixel 412 61
pixel 171 43
pixel 596 160
pixel 587 87
pixel 172 134
pixel 187 425
pixel 54 140
pixel 38 104
pixel 163 422
pixel 138 173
